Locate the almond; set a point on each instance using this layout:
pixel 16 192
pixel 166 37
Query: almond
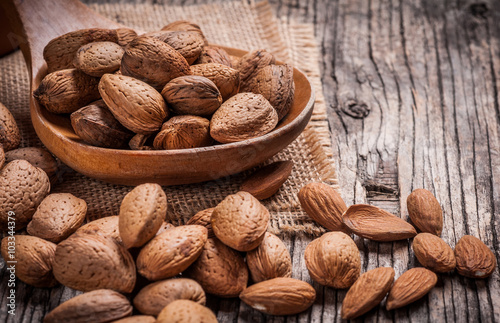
pixel 57 217
pixel 135 104
pixel 240 221
pixel 154 297
pixel 188 43
pixel 141 142
pixel 186 311
pixel 280 296
pixel 106 227
pixel 373 223
pixel 425 212
pixel 33 257
pixel 184 25
pixel 243 116
pixel 333 260
pixel 270 259
pixel 9 131
pixel 367 292
pixel 203 218
pixel 66 91
pixel 142 212
pixel 214 54
pixel 324 205
pixel 22 188
pixel 101 305
pixel 266 181
pixel 99 58
pixel 153 61
pixel 2 157
pixel 433 253
pixel 171 252
pixel 38 157
pixel 220 270
pixel 410 286
pixel 474 258
pixel 182 132
pixel 165 226
pixel 90 261
pixel 137 319
pixel 226 79
pixel 250 65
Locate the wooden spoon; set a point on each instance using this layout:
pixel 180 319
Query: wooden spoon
pixel 36 22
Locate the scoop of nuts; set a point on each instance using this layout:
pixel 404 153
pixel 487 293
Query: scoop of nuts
pixel 169 88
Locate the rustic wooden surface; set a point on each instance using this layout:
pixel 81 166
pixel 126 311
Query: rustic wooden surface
pixel 412 90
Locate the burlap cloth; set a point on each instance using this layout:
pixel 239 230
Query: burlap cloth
pixel 236 24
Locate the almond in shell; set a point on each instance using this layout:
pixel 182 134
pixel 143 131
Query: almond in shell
pixel 142 212
pixel 240 221
pixel 171 252
pixel 433 253
pixel 34 259
pixel 373 223
pixel 266 181
pixel 154 297
pixel 90 261
pixel 425 212
pixel 181 132
pixel 106 227
pixel 38 157
pixel 9 131
pixel 324 205
pixel 280 296
pixel 184 25
pixel 137 319
pixel 97 306
pixel 367 292
pixel 474 258
pixel 203 218
pixel 226 79
pixel 251 64
pixel 333 260
pixel 188 43
pixel 410 286
pixel 99 58
pixel 214 54
pixel 186 311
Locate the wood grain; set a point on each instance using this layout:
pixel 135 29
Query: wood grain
pixel 412 90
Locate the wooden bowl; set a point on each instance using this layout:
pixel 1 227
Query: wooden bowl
pixel 131 167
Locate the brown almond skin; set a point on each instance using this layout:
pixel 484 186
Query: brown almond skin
pixel 433 253
pixel 101 263
pixel 243 116
pixel 34 256
pixel 135 104
pixel 66 91
pixel 186 311
pixel 153 61
pixel 226 79
pixel 60 52
pixel 101 305
pixel 214 54
pixel 367 292
pixel 106 227
pixel 188 43
pixel 181 132
pixel 280 296
pixel 57 217
pixel 324 205
pixel 271 259
pixel 171 252
pixel 22 188
pixel 38 157
pixel 250 65
pixel 137 319
pixel 425 212
pixel 97 126
pixel 275 83
pixel 220 270
pixel 154 297
pixel 203 218
pixel 9 131
pixel 266 181
pixel 474 258
pixel 410 286
pixel 99 58
pixel 193 95
pixel 373 223
pixel 240 221
pixel 142 212
pixel 333 260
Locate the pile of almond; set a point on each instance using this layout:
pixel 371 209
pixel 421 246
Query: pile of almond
pixel 166 89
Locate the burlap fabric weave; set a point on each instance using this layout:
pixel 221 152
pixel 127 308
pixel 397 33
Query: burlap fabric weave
pixel 236 24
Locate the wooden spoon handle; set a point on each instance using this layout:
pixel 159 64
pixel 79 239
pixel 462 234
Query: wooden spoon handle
pixel 36 22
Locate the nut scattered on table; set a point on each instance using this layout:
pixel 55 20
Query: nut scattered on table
pixel 425 212
pixel 412 285
pixel 474 258
pixel 433 253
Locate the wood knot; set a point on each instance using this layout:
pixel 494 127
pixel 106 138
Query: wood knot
pixel 357 110
pixel 478 10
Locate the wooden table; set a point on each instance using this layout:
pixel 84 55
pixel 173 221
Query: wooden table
pixel 412 89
